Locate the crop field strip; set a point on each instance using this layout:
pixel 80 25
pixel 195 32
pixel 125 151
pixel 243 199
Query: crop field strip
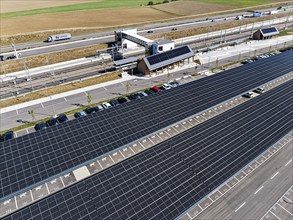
pixel 54 150
pixel 40 191
pixel 163 181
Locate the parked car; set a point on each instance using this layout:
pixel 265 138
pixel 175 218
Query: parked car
pixel 133 96
pixel 114 102
pixel 166 86
pixel 173 84
pixel 8 135
pixel 62 118
pixel 156 89
pixel 121 100
pixel 149 91
pixel 106 105
pixel 90 110
pixel 79 114
pixel 52 122
pixel 142 94
pixel 40 126
pixel 259 90
pixel 248 95
pixel 100 107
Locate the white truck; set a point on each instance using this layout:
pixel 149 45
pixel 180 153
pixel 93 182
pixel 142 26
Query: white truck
pixel 273 12
pixel 59 37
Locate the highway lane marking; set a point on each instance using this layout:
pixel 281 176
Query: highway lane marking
pixel 240 206
pixel 274 175
pixel 258 190
pixel 17 112
pixel 288 162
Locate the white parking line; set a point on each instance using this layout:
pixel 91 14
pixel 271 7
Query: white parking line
pixel 285 210
pixel 240 206
pixel 274 175
pixel 275 215
pixel 258 190
pixel 288 162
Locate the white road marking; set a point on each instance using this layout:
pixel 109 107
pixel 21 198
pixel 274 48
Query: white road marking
pixel 258 190
pixel 275 215
pixel 274 175
pixel 188 215
pixel 65 99
pixel 240 206
pixel 288 162
pixel 285 210
pixel 17 112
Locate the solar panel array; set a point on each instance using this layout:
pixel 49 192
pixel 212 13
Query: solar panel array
pixel 167 179
pixel 32 158
pixel 161 57
pixel 269 30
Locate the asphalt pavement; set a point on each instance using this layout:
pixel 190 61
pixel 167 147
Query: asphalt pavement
pixel 254 196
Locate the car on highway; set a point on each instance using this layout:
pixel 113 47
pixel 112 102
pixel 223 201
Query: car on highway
pixel 156 89
pixel 106 105
pixel 122 100
pixel 40 126
pixel 247 95
pixel 150 31
pixel 213 20
pixel 149 91
pixel 52 122
pixel 166 86
pixel 62 118
pixel 174 29
pixel 142 94
pixel 8 135
pixel 90 110
pixel 80 114
pixel 114 102
pixel 259 90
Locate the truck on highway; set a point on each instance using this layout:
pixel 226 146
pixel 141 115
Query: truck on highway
pixel 257 14
pixel 273 12
pixel 58 37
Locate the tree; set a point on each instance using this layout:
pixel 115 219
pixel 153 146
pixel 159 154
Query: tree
pixel 165 1
pixel 151 3
pixel 32 113
pixel 89 98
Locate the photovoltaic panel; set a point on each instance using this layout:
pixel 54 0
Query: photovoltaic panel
pixel 269 30
pixel 32 158
pixel 161 183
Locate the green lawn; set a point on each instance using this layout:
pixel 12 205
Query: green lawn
pixel 77 7
pixel 238 3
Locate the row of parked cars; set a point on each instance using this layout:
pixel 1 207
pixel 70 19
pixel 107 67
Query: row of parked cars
pixel 258 90
pixel 62 118
pixel 258 58
pixel 121 100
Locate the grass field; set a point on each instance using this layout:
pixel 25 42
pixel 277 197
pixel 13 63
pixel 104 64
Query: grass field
pixel 240 3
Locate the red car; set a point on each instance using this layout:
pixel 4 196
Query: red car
pixel 156 89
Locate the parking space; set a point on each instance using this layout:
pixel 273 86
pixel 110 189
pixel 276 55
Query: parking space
pixel 54 185
pixel 106 161
pixel 68 179
pixel 39 192
pixel 94 167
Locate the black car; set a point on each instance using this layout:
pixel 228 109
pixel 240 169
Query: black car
pixel 7 136
pixel 133 96
pixel 114 102
pixel 149 91
pixel 259 90
pixel 150 31
pixel 122 100
pixel 62 118
pixel 247 95
pixel 51 122
pixel 174 29
pixel 90 110
pixel 40 126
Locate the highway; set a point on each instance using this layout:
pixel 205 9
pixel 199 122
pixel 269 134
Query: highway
pixel 44 48
pixel 253 196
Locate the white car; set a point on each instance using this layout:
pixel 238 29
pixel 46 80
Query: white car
pixel 106 105
pixel 166 86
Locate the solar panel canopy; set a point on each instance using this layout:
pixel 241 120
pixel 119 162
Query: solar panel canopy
pixel 160 60
pixel 269 31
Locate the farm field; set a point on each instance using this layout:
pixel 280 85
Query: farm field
pixel 29 17
pixel 17 5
